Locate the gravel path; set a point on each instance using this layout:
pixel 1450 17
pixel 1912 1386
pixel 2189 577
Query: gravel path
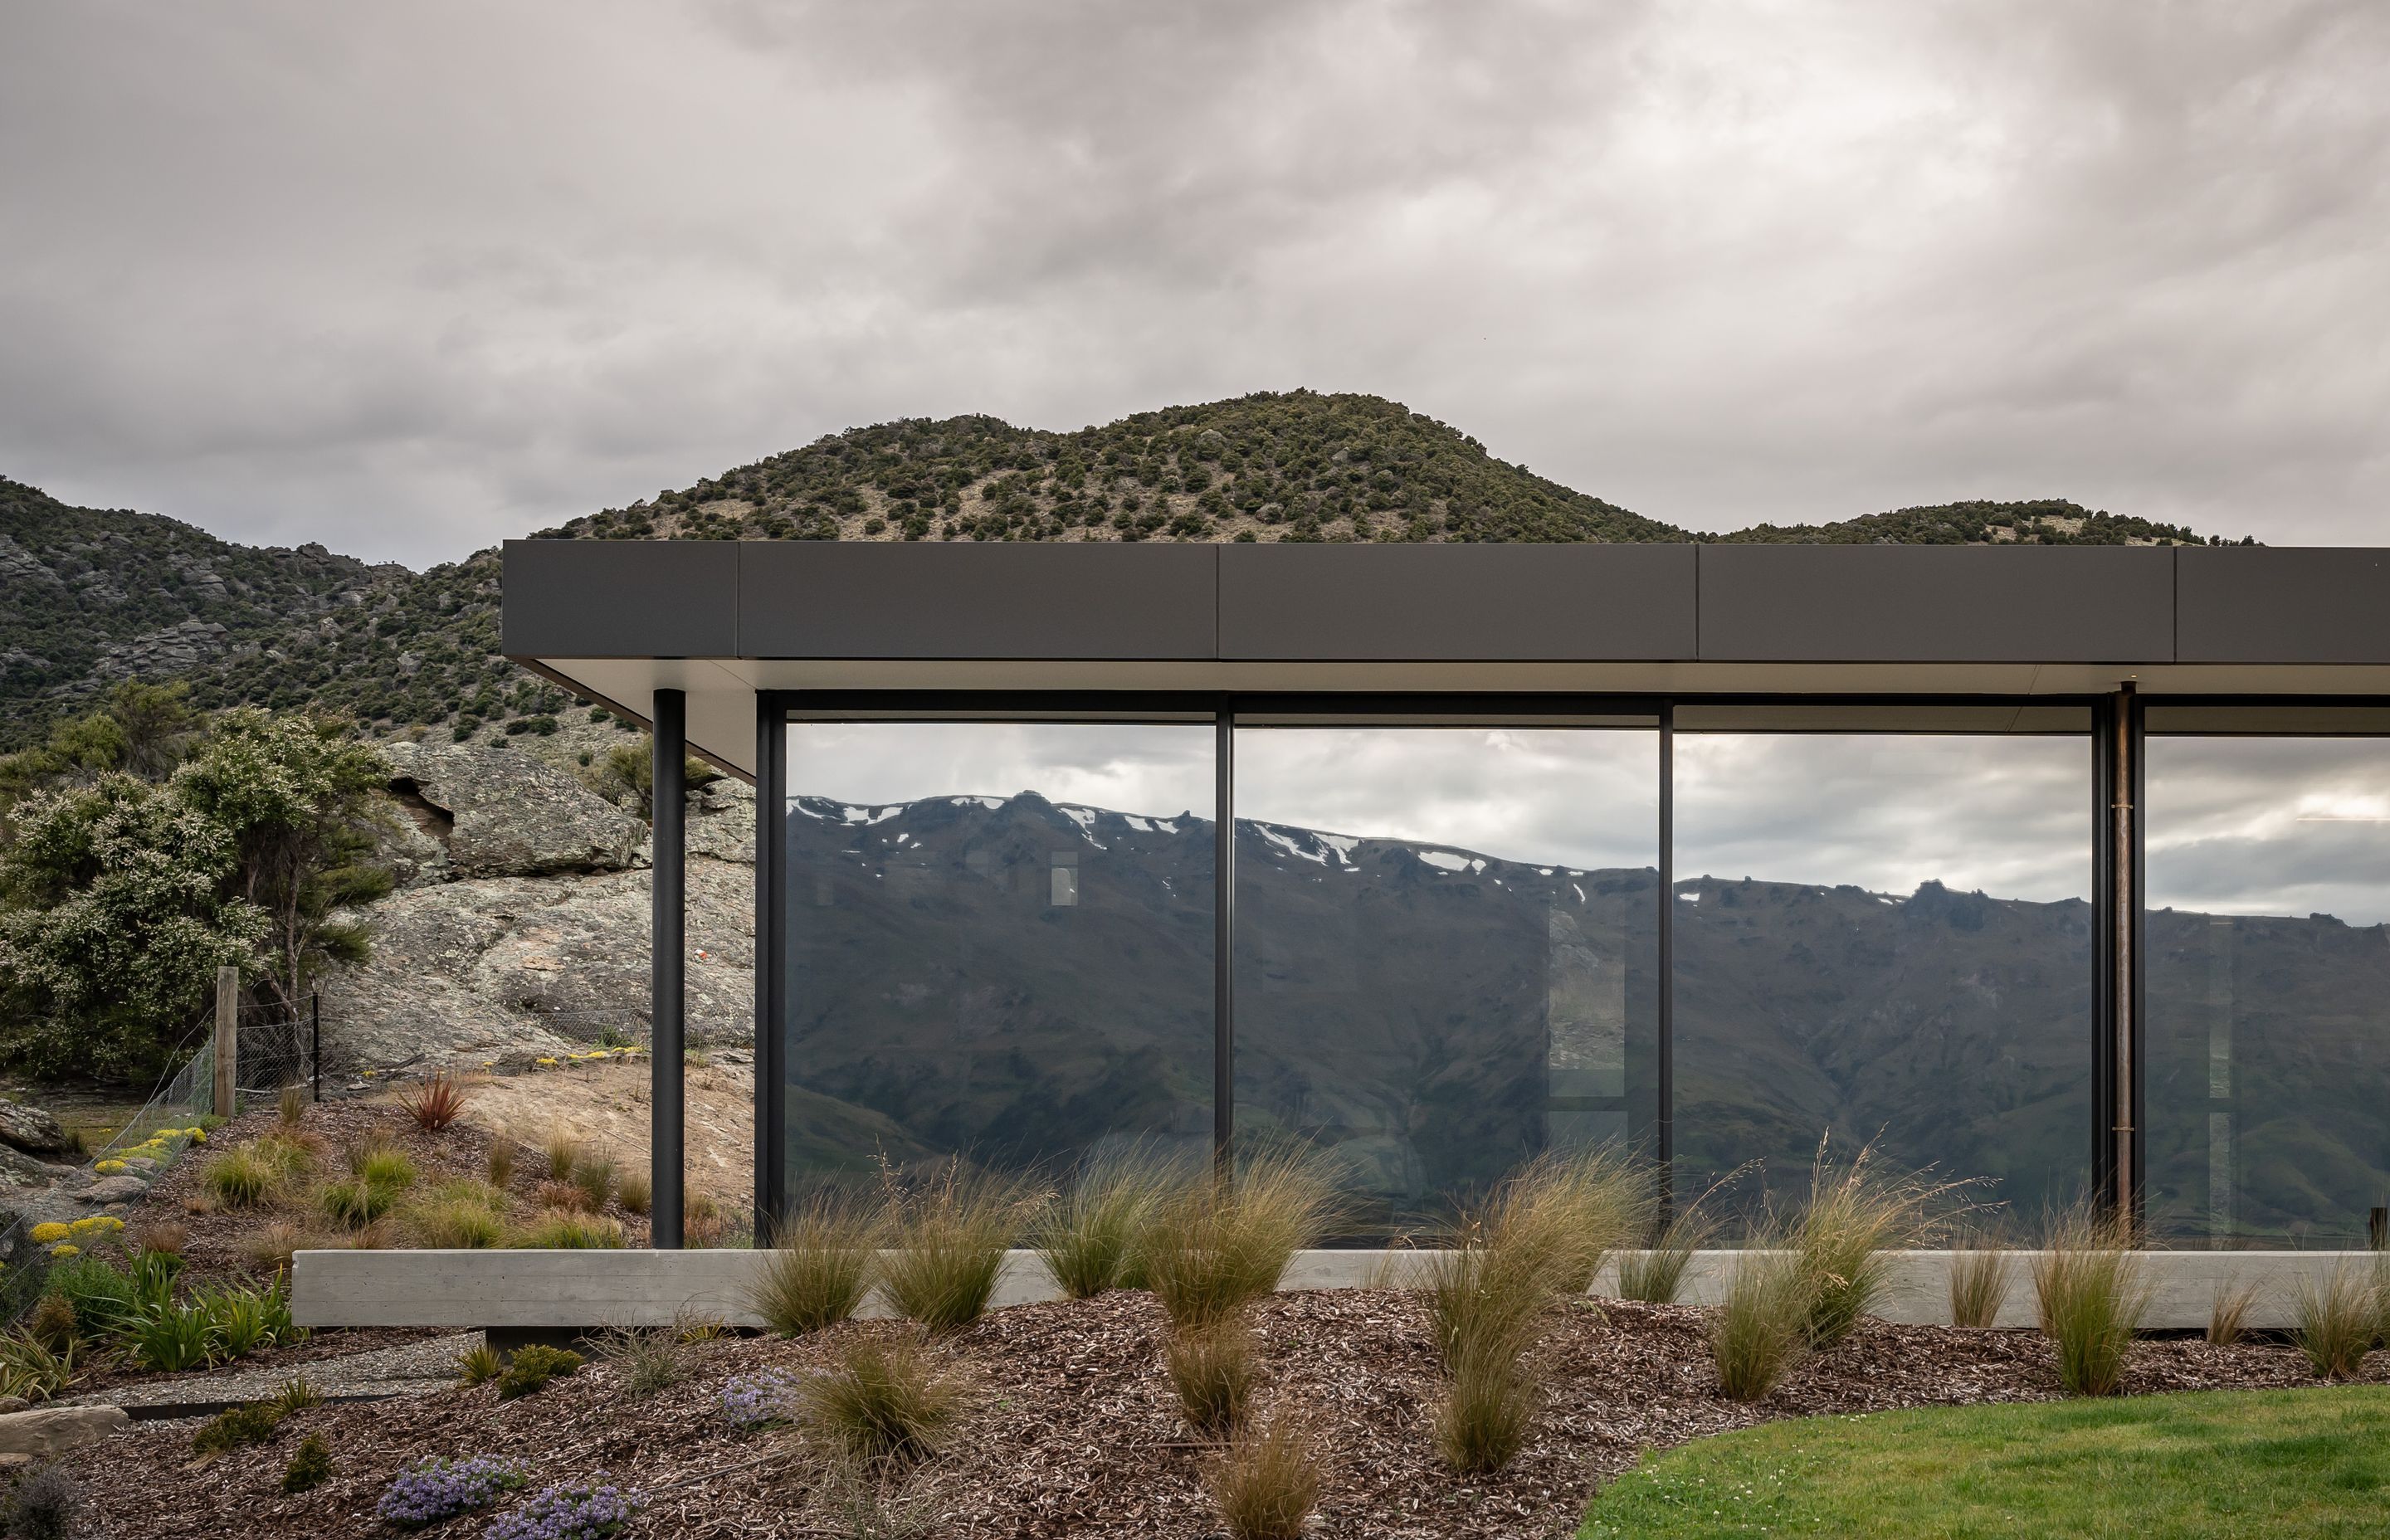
pixel 409 1369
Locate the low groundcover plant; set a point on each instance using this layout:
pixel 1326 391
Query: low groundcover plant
pixel 438 1489
pixel 567 1513
pixel 757 1400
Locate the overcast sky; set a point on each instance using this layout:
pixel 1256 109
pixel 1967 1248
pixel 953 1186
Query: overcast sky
pixel 407 280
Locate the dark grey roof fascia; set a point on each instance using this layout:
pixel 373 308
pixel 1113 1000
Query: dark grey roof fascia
pixel 1498 603
pixel 907 599
pixel 1937 604
pixel 620 599
pixel 2239 604
pixel 1792 604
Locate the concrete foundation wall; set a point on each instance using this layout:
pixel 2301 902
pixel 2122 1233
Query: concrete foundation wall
pixel 552 1291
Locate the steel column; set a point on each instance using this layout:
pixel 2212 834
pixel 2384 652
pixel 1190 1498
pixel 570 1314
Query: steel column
pixel 1665 1088
pixel 771 963
pixel 667 944
pixel 1224 939
pixel 2119 1166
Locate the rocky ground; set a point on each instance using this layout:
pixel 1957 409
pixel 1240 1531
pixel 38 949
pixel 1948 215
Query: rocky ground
pixel 1072 1429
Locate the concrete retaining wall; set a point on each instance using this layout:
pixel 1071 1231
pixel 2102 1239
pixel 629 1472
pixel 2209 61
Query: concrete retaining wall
pixel 552 1290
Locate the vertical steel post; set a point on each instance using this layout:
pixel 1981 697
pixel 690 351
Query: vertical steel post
pixel 771 964
pixel 315 1045
pixel 2123 921
pixel 1224 941
pixel 227 1040
pixel 1664 1090
pixel 668 897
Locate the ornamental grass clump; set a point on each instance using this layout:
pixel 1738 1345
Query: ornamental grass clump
pixel 1856 1214
pixel 561 1152
pixel 1656 1274
pixel 2090 1294
pixel 456 1224
pixel 439 1488
pixel 2228 1312
pixel 1213 1368
pixel 948 1240
pixel 1979 1284
pixel 823 1259
pixel 1089 1237
pixel 237 1178
pixel 567 1513
pixel 1269 1482
pixel 1762 1326
pixel 636 1190
pixel 594 1174
pixel 2336 1322
pixel 884 1405
pixel 1213 1247
pixel 649 1358
pixel 566 1230
pixel 1488 1409
pixel 478 1365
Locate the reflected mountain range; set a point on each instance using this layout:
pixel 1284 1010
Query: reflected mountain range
pixel 1026 982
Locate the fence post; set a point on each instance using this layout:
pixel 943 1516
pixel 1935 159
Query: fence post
pixel 315 1043
pixel 227 1037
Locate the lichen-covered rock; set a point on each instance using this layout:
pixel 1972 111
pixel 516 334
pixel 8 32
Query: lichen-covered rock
pixel 721 821
pixel 113 1190
pixel 30 1129
pixel 506 966
pixel 497 812
pixel 46 1432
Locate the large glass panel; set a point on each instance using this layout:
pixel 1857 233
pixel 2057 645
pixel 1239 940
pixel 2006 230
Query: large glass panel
pixel 1885 938
pixel 1445 951
pixel 2267 972
pixel 999 941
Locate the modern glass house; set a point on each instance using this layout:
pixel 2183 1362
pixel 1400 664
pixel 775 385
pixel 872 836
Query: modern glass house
pixel 2063 870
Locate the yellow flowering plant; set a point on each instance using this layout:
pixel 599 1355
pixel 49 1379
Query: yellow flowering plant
pixel 43 1234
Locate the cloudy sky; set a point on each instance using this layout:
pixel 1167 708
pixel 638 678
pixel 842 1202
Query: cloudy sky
pixel 410 279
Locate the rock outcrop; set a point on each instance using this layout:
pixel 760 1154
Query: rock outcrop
pixel 29 1128
pixel 488 810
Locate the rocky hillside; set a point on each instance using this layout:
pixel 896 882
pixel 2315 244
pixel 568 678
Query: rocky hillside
pixel 89 596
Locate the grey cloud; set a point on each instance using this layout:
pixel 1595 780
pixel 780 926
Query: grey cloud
pixel 409 279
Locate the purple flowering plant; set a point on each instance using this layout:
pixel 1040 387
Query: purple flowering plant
pixel 567 1513
pixel 439 1488
pixel 751 1400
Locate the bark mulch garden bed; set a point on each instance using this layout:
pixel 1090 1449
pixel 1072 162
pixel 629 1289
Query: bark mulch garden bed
pixel 1074 1430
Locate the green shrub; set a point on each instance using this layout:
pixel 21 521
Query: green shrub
pixel 949 1242
pixel 310 1467
pixel 882 1404
pixel 1761 1329
pixel 176 1338
pixel 1212 1368
pixel 104 1300
pixel 1213 1248
pixel 45 1503
pixel 237 1178
pixel 2089 1288
pixel 2335 1323
pixel 530 1368
pixel 237 1427
pixel 821 1264
pixel 1269 1482
pixel 1088 1239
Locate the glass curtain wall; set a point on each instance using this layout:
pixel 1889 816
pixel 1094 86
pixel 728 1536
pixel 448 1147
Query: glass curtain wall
pixel 999 942
pixel 1883 939
pixel 1445 951
pixel 2266 952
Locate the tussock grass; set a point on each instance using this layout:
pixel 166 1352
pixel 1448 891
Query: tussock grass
pixel 593 1173
pixel 883 1404
pixel 291 1107
pixel 649 1358
pixel 1486 1416
pixel 1213 1368
pixel 458 1223
pixel 499 1164
pixel 2227 1314
pixel 822 1261
pixel 2090 1292
pixel 1268 1482
pixel 949 1238
pixel 1656 1274
pixel 1089 1237
pixel 2336 1322
pixel 1761 1328
pixel 354 1201
pixel 637 1191
pixel 1980 1275
pixel 565 1230
pixel 291 1154
pixel 237 1178
pixel 562 1151
pixel 1213 1247
pixel 1855 1213
pixel 389 1170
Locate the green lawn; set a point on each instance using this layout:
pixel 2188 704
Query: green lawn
pixel 2272 1463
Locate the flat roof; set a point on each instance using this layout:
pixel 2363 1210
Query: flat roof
pixel 618 619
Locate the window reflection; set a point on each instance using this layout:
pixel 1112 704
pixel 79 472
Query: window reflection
pixel 2267 971
pixel 1446 942
pixel 1001 943
pixel 1883 939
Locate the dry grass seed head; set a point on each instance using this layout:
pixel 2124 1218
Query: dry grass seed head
pixel 1857 1211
